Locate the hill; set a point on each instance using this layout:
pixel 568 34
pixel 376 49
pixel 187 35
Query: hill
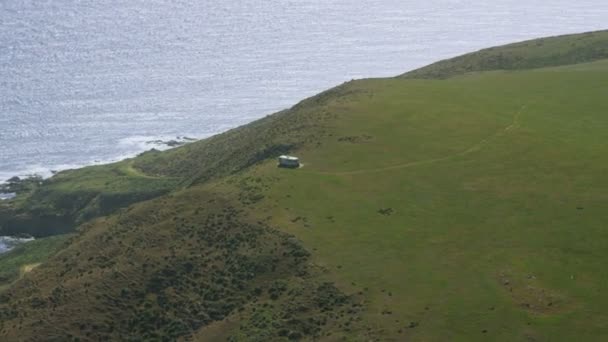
pixel 59 204
pixel 463 209
pixel 537 53
pixel 23 258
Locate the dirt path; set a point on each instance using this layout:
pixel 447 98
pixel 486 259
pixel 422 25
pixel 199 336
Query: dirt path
pixel 28 268
pixel 474 148
pixel 130 170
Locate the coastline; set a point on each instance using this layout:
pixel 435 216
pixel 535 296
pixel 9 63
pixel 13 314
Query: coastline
pixel 141 144
pixel 18 192
pixel 5 196
pixel 8 243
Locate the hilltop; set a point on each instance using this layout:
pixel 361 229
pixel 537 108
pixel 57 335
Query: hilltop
pixel 536 53
pixel 458 208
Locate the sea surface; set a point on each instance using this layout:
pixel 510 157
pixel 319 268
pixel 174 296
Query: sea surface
pixel 91 81
pixel 6 196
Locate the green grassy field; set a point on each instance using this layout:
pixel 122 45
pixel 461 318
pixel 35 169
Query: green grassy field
pixel 496 197
pixel 468 208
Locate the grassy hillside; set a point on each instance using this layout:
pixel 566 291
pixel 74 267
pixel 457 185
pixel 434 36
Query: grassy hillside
pixel 173 266
pixel 537 53
pixel 470 208
pixel 240 148
pixel 24 258
pixel 491 227
pixel 72 197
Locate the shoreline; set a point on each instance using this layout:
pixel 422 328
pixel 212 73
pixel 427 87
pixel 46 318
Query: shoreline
pixel 16 189
pixel 5 196
pixel 162 143
pixel 8 243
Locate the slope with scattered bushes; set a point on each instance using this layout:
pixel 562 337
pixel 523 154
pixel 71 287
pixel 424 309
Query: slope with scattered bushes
pixel 462 209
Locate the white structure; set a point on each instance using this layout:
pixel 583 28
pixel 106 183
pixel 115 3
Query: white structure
pixel 289 161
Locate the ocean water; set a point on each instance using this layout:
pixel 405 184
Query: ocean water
pixel 7 243
pixel 89 81
pixel 6 196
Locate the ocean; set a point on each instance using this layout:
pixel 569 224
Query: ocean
pixel 7 243
pixel 89 81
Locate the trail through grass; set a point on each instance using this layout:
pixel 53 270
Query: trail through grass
pixel 472 208
pixel 472 149
pixel 25 257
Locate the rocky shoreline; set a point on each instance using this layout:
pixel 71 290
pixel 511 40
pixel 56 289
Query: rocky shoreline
pixel 143 146
pixel 43 214
pixel 7 243
pixel 17 185
pixel 178 141
pixel 5 196
pixel 20 184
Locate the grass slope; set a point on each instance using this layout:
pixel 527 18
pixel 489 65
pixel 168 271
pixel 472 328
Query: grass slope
pixel 72 197
pixel 491 227
pixel 465 209
pixel 169 268
pixel 537 53
pixel 22 258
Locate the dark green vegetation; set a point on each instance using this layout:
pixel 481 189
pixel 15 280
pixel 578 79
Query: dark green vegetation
pixel 462 209
pixel 59 204
pixel 21 185
pixel 161 276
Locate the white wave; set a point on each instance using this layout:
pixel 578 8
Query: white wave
pixel 126 148
pixel 141 143
pixel 8 242
pixel 39 170
pixel 6 196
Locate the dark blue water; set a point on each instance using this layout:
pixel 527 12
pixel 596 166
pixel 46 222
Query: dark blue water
pixel 85 81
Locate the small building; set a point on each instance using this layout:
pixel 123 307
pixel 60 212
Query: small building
pixel 289 161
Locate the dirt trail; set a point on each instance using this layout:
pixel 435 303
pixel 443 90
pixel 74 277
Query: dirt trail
pixel 478 146
pixel 130 170
pixel 28 268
